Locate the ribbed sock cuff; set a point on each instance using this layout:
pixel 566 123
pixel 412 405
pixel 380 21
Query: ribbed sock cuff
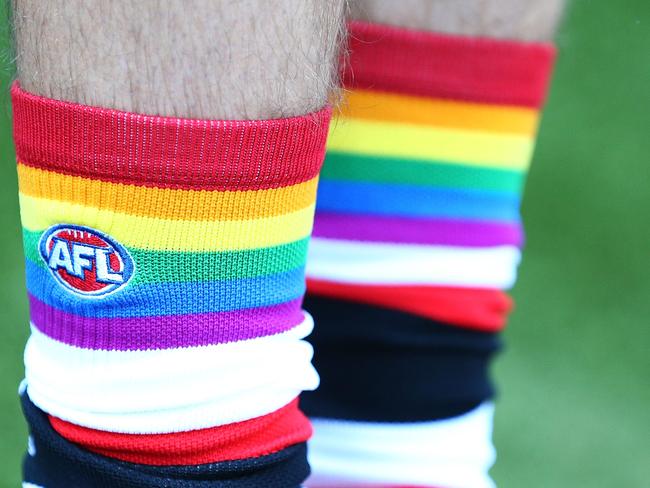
pixel 476 69
pixel 167 152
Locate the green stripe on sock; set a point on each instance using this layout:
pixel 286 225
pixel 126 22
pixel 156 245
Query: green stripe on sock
pixel 353 167
pixel 180 267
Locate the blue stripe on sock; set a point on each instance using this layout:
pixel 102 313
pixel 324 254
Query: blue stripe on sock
pixel 169 298
pixel 417 201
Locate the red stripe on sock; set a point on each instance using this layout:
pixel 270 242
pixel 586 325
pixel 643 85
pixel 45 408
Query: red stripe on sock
pixel 123 147
pixel 447 66
pixel 474 308
pixel 251 438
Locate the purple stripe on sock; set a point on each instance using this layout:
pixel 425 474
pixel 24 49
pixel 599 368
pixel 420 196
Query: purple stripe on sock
pixel 164 332
pixel 375 228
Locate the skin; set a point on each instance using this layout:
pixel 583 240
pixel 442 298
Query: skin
pixel 219 59
pixel 227 59
pixel 526 20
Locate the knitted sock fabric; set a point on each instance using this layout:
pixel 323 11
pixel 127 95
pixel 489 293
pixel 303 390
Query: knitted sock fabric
pixel 417 236
pixel 165 272
pixel 53 461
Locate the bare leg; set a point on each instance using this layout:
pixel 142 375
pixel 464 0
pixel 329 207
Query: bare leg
pixel 528 20
pixel 200 58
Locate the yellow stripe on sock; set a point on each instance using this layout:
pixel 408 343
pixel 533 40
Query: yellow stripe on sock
pixel 373 138
pixel 166 203
pixel 174 235
pixel 391 107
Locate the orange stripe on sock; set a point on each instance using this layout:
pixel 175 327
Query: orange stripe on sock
pixel 166 203
pixel 390 107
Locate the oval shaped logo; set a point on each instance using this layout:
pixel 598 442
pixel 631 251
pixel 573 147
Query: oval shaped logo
pixel 84 260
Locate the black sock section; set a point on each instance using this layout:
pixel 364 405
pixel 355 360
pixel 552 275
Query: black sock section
pixel 381 365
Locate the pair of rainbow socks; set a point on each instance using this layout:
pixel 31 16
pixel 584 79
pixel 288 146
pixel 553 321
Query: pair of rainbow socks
pixel 165 263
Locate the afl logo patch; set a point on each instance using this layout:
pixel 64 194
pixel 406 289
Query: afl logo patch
pixel 85 261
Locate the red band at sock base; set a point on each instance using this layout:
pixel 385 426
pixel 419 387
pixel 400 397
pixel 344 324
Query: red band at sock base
pixel 251 438
pixel 474 308
pixel 123 147
pixel 445 66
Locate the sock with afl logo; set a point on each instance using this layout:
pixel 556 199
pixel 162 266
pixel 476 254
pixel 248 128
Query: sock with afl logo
pixel 165 273
pixel 416 238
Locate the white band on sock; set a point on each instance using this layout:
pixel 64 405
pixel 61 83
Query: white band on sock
pixel 169 390
pixel 400 264
pixel 455 453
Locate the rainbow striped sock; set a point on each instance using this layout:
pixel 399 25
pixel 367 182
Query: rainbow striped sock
pixel 165 271
pixel 416 238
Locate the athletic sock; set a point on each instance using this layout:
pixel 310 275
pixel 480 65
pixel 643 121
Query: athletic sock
pixel 165 272
pixel 417 236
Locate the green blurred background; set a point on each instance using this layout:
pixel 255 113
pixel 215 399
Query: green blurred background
pixel 574 404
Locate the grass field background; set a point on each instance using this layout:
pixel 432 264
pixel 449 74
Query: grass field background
pixel 574 403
